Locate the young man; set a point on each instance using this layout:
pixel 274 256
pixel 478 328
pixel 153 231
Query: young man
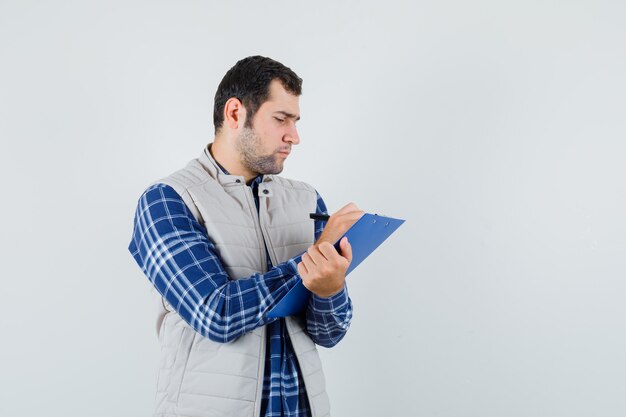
pixel 223 240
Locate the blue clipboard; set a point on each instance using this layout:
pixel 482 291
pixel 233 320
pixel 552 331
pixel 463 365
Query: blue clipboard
pixel 368 233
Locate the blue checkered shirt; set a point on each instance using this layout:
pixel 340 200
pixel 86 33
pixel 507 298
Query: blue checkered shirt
pixel 179 259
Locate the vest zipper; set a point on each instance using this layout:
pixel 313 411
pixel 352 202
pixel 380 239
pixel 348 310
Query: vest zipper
pixel 262 353
pixel 266 236
pixel 255 218
pixel 291 332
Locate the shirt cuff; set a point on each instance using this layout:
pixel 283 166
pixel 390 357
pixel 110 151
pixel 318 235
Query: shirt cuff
pixel 330 304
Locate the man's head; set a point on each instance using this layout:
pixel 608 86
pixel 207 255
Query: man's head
pixel 256 108
pixel 249 81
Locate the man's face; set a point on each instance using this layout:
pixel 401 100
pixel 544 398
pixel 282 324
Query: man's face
pixel 264 147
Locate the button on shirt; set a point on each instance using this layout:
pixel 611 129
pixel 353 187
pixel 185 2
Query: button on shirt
pixel 192 261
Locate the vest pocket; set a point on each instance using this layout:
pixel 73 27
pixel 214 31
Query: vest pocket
pixel 180 363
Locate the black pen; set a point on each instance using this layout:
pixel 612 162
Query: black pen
pixel 322 217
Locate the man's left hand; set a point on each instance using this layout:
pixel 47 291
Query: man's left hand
pixel 323 269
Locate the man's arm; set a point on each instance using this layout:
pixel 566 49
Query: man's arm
pixel 327 318
pixel 175 253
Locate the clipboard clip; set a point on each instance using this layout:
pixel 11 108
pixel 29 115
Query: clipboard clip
pixel 381 215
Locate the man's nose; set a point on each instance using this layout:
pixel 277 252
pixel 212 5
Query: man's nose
pixel 292 135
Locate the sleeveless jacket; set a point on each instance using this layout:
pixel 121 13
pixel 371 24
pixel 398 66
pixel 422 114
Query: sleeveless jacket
pixel 198 377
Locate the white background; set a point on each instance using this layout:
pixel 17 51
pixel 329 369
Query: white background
pixel 497 129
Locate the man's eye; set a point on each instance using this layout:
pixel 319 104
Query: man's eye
pixel 280 120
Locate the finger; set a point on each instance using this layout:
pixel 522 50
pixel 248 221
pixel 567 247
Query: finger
pixel 354 215
pixel 350 217
pixel 315 255
pixel 307 261
pixel 347 209
pixel 304 275
pixel 328 250
pixel 346 249
pixel 346 221
pixel 302 269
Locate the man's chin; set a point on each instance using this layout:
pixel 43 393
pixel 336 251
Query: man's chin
pixel 278 168
pixel 271 171
pixel 276 171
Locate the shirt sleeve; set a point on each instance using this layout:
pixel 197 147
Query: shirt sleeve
pixel 175 253
pixel 327 318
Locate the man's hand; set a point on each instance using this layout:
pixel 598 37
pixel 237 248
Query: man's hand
pixel 339 223
pixel 323 269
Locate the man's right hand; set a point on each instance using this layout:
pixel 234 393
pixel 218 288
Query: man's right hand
pixel 339 223
pixel 323 268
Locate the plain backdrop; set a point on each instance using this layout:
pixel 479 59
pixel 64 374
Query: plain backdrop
pixel 497 129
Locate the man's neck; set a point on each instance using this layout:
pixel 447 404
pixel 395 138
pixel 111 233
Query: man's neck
pixel 229 159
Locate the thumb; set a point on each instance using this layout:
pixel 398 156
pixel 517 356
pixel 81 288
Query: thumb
pixel 346 249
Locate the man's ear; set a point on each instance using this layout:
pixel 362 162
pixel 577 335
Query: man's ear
pixel 234 113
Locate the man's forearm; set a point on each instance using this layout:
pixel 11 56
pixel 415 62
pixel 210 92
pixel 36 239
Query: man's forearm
pixel 176 255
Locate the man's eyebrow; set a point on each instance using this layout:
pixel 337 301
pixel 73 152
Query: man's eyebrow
pixel 289 115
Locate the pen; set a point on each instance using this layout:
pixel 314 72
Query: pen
pixel 322 217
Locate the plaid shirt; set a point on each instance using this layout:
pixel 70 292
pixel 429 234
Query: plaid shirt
pixel 179 259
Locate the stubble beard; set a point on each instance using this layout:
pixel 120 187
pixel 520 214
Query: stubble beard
pixel 248 145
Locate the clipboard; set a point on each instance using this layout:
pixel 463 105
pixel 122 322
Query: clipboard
pixel 367 234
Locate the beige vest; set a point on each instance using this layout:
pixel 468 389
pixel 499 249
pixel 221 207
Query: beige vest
pixel 199 377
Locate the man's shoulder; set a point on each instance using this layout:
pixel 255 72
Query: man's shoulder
pixel 177 185
pixel 185 178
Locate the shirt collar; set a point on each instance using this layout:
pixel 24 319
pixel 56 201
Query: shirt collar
pixel 257 180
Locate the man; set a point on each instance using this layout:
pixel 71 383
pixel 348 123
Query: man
pixel 223 240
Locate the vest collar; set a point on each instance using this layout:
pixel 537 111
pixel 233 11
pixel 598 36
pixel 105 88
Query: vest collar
pixel 212 167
